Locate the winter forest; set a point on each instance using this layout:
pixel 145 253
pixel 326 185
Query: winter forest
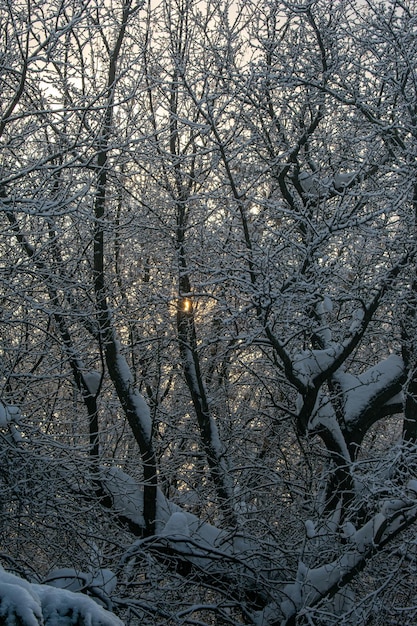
pixel 208 329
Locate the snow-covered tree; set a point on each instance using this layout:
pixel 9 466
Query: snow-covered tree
pixel 208 369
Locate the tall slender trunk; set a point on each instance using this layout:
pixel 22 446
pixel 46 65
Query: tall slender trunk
pixel 409 349
pixel 133 405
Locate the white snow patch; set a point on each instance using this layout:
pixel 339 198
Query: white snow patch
pixel 325 305
pixel 73 580
pixel 312 584
pixel 62 608
pixel 348 531
pixel 364 537
pixel 310 363
pixel 309 183
pixel 67 578
pixel 123 366
pixel 310 529
pixel 105 579
pixel 268 615
pixel 215 438
pixel 18 606
pixel 324 416
pixel 126 494
pixel 359 390
pixel 9 414
pixel 142 409
pixel 306 181
pixel 18 601
pixel 325 335
pixel 294 591
pixel 31 604
pixel 357 319
pixel 176 526
pixel 392 506
pixel 201 543
pixel 92 380
pixel 143 413
pixel 342 180
pixel 206 545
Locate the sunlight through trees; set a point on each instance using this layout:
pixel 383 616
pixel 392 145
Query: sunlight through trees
pixel 208 312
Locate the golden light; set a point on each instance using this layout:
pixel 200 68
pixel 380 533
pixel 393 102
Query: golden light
pixel 186 305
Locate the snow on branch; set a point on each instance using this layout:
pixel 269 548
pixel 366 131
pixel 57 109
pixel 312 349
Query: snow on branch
pixel 324 417
pixel 316 186
pixel 29 604
pixel 121 374
pixel 236 563
pixel 199 541
pixel 361 391
pixel 228 560
pixel 209 547
pixel 98 583
pixel 379 386
pixel 309 364
pixel 126 495
pixel 9 414
pixel 315 584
